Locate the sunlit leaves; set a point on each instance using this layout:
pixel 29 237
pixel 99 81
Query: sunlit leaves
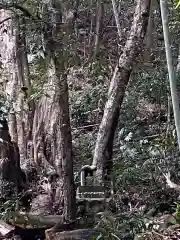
pixel 178 4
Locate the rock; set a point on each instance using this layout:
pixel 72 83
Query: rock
pixel 79 234
pixel 42 204
pixel 94 205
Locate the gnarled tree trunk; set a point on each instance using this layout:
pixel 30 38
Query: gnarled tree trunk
pixel 52 131
pixel 15 74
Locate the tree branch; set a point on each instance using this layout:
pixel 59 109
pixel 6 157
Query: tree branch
pixel 18 7
pixel 116 15
pixel 4 20
pixel 170 183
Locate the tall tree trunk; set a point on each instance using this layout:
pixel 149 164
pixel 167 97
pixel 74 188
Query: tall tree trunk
pixel 27 83
pixel 54 130
pixel 20 113
pixel 171 71
pixel 24 127
pixel 14 63
pixel 178 62
pixel 99 21
pixel 8 53
pixel 116 15
pixel 148 53
pixel 104 145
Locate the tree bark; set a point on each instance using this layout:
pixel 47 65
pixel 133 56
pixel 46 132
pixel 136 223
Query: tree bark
pixel 116 16
pixel 54 130
pixel 10 160
pixel 150 38
pixel 24 127
pixel 171 71
pixel 99 22
pixel 13 56
pixel 7 51
pixel 26 82
pixel 104 145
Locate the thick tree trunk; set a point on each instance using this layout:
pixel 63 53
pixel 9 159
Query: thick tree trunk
pixel 26 85
pixel 53 130
pixel 7 51
pixel 104 145
pixel 23 86
pixel 13 54
pixel 10 170
pixel 25 127
pixel 11 173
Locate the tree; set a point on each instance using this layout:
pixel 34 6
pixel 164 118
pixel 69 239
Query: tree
pixel 18 86
pixel 9 66
pixel 173 86
pixel 104 145
pixel 51 123
pixel 52 131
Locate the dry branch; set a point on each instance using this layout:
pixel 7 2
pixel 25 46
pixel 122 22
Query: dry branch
pixel 31 220
pixel 170 183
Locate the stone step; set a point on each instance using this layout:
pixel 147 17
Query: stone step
pixel 91 199
pixel 91 192
pixel 91 189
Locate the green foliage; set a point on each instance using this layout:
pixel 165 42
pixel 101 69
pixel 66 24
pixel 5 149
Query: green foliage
pixel 38 76
pixel 177 214
pixel 85 102
pixel 139 162
pixel 153 86
pixel 4 109
pixel 83 151
pixel 150 89
pixel 143 163
pixel 177 4
pixel 7 209
pixel 120 226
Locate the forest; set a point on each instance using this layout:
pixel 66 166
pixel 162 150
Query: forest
pixel 89 119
